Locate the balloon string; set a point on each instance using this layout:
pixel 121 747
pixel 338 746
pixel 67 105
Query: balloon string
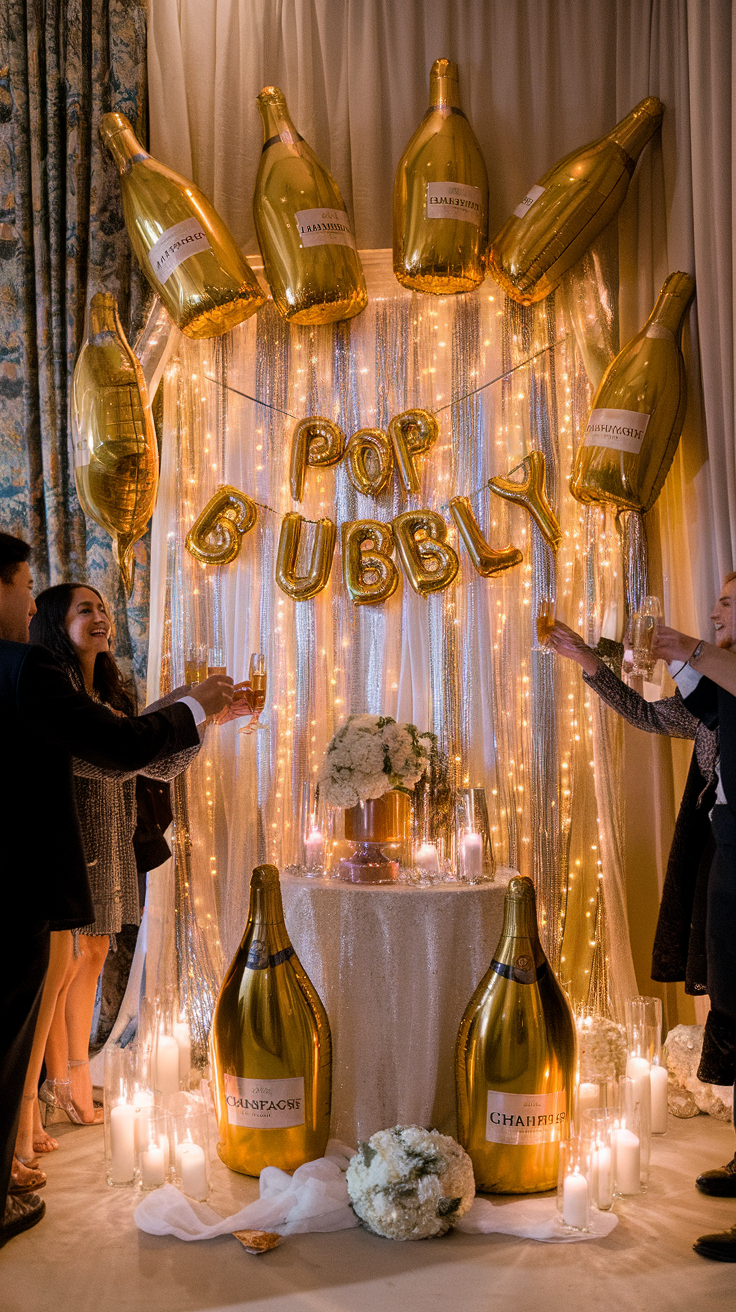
pixel 457 401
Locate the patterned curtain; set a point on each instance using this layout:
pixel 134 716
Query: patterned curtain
pixel 63 64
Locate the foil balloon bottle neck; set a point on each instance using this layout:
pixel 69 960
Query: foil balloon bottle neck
pixel 266 911
pixel 634 131
pixel 117 133
pixel 671 304
pixel 103 317
pixel 444 87
pixel 519 948
pixel 277 123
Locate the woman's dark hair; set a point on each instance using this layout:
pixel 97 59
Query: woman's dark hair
pixel 48 628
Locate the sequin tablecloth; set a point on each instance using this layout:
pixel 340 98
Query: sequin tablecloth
pixel 395 967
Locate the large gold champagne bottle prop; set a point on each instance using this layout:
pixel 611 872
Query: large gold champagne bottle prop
pixel 308 248
pixel 560 216
pixel 115 449
pixel 515 1060
pixel 638 411
pixel 180 241
pixel 441 196
pixel 271 1047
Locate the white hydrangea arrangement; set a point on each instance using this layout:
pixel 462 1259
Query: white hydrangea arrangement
pixel 601 1044
pixel 369 755
pixel 410 1183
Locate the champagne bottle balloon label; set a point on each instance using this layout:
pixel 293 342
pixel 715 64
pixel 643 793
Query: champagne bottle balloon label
pixel 618 430
pixel 176 245
pixel 324 227
pixel 528 201
pixel 264 1104
pixel 454 200
pixel 525 1118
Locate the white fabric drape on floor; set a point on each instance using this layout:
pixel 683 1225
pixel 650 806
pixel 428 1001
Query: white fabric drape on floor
pixel 538 79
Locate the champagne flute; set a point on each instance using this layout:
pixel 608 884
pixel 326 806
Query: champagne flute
pixel 255 691
pixel 545 622
pixel 216 663
pixel 195 665
pixel 643 624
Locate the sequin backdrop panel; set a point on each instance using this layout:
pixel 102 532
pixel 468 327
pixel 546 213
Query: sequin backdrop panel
pixel 461 662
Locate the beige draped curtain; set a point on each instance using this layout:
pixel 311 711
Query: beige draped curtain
pixel 538 78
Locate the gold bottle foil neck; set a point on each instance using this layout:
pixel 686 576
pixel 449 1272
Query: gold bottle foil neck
pixel 266 907
pixel 277 124
pixel 672 302
pixel 103 314
pixel 116 132
pixel 634 131
pixel 520 909
pixel 444 85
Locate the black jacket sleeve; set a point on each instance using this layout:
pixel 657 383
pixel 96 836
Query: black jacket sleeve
pixel 55 713
pixel 703 702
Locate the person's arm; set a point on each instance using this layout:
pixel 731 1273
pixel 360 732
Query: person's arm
pixel 54 712
pixel 715 663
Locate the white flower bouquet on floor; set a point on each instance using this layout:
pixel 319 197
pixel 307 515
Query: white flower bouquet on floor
pixel 410 1183
pixel 369 755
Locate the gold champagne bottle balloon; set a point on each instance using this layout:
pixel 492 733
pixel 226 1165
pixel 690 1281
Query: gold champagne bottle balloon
pixel 638 411
pixel 515 1060
pixel 271 1047
pixel 441 196
pixel 308 248
pixel 180 241
pixel 560 216
pixel 115 448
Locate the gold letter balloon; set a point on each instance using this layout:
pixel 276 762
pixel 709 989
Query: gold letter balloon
pixel 180 241
pixel 115 449
pixel 430 563
pixel 560 216
pixel 370 576
pixel 308 248
pixel 485 558
pixel 638 411
pixel 301 587
pixel 441 196
pixel 369 443
pixel 315 441
pixel 532 495
pixel 412 432
pixel 216 535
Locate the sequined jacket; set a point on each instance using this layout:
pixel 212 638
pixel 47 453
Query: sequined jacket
pixel 106 807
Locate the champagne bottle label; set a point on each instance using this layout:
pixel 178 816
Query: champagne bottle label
pixel 264 1104
pixel 525 1118
pixel 454 200
pixel 176 245
pixel 324 227
pixel 258 956
pixel 533 194
pixel 619 430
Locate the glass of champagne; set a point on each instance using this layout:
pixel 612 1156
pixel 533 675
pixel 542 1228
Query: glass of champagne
pixel 216 663
pixel 195 665
pixel 545 622
pixel 643 624
pixel 255 691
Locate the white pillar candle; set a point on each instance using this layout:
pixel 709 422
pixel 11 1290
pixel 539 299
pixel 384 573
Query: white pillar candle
pixel 122 1143
pixel 602 1176
pixel 142 1101
pixel 658 1080
pixel 427 859
pixel 184 1040
pixel 315 848
pixel 472 852
pixel 152 1167
pixel 192 1168
pixel 163 1143
pixel 628 1161
pixel 166 1069
pixel 575 1200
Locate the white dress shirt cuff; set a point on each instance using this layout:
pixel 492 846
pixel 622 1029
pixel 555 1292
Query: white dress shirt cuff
pixel 195 708
pixel 686 678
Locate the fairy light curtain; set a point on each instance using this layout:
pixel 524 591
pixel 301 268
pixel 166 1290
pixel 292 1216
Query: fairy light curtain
pixel 502 381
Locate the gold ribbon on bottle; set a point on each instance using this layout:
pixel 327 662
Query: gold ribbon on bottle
pixel 417 554
pixel 366 442
pixel 370 576
pixel 216 535
pixel 531 493
pixel 486 559
pixel 316 441
pixel 412 433
pixel 303 586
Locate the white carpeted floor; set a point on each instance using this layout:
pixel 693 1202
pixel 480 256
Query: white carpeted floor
pixel 87 1255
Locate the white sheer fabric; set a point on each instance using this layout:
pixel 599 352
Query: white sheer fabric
pixel 537 80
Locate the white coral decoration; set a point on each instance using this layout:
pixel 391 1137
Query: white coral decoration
pixel 410 1183
pixel 369 755
pixel 601 1044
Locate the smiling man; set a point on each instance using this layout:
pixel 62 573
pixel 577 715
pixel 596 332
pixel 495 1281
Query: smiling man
pixel 43 873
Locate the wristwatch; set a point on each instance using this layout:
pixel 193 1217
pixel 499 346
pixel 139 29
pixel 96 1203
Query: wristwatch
pixel 698 651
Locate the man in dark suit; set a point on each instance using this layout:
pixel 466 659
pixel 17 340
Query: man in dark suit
pixel 43 873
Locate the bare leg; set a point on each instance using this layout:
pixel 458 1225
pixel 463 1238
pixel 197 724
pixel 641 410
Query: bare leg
pixel 32 1138
pixel 80 1005
pixel 57 1046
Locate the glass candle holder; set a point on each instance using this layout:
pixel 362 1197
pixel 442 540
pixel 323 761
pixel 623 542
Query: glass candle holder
pixel 635 1096
pixel 573 1190
pixel 596 1091
pixel 659 1090
pixel 119 1116
pixel 153 1146
pixel 644 1028
pixel 626 1145
pixel 191 1153
pixel 597 1129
